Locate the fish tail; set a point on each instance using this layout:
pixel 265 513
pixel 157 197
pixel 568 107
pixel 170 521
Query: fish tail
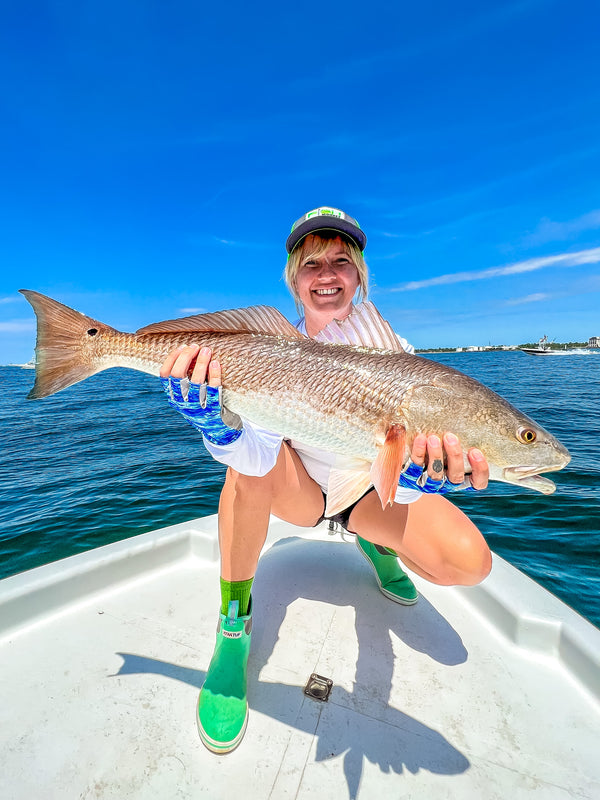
pixel 67 345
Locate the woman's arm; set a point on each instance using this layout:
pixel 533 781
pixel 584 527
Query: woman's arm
pixel 245 447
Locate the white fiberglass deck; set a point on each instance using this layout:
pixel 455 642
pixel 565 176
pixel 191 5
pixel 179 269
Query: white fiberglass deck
pixel 488 693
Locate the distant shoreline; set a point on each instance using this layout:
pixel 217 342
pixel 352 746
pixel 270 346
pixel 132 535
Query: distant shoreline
pixel 504 348
pixel 473 349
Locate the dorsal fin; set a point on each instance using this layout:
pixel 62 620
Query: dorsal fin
pixel 363 327
pixel 254 319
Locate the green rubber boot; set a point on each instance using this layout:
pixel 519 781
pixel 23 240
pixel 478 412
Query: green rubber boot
pixel 393 581
pixel 222 706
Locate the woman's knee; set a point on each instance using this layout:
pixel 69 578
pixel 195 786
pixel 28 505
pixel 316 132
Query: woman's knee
pixel 248 485
pixel 453 547
pixel 471 559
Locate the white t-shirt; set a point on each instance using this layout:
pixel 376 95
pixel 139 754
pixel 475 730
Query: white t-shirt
pixel 255 451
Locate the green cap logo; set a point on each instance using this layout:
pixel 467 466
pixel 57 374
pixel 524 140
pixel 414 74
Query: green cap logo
pixel 325 212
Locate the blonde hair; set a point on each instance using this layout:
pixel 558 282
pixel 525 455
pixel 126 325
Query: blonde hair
pixel 320 243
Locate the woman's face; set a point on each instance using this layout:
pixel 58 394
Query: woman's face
pixel 327 283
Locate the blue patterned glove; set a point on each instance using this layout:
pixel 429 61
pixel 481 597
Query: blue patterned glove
pixel 201 407
pixel 415 477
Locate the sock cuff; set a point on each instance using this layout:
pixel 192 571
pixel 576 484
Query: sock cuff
pixel 236 590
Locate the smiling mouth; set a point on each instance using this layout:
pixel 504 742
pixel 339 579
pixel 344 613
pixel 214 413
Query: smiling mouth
pixel 326 291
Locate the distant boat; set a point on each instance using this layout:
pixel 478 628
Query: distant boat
pixel 544 349
pixel 29 365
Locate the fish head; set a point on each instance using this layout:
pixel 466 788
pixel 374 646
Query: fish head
pixel 532 451
pixel 516 447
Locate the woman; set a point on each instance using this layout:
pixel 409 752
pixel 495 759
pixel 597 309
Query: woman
pixel 267 475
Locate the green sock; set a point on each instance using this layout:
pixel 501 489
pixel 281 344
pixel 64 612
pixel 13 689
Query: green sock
pixel 236 590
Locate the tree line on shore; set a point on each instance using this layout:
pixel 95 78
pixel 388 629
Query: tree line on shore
pixel 549 345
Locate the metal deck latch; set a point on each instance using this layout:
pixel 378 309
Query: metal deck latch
pixel 318 687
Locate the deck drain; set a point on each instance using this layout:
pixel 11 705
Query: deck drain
pixel 318 687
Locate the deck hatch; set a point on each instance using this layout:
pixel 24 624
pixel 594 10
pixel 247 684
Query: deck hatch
pixel 318 687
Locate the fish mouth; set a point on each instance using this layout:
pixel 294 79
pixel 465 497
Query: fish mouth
pixel 530 477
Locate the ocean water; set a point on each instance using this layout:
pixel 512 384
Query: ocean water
pixel 108 459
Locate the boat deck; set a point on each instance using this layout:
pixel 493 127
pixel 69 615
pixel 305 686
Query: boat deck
pixel 489 692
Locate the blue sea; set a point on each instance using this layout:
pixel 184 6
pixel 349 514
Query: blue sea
pixel 108 459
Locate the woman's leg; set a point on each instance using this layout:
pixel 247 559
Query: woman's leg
pixel 244 510
pixel 432 536
pixel 246 503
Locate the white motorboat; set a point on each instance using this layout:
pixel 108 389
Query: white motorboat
pixel 544 349
pixel 487 692
pixel 572 351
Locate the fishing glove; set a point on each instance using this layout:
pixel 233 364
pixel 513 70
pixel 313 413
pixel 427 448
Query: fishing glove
pixel 200 405
pixel 415 477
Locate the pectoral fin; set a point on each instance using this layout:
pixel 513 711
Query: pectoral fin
pixel 346 486
pixel 386 468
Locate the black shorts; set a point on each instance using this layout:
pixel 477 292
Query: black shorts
pixel 343 516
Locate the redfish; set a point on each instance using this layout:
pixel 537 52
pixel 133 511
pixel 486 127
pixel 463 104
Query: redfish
pixel 352 390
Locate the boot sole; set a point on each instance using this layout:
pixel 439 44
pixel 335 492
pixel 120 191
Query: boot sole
pixel 221 747
pixel 393 597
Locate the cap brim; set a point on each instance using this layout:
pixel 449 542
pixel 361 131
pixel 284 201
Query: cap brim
pixel 332 224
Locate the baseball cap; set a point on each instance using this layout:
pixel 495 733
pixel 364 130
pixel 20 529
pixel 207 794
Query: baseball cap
pixel 326 219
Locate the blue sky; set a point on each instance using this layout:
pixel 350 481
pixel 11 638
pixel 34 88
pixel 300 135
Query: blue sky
pixel 154 156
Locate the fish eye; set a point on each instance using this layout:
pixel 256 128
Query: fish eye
pixel 526 435
pixel 92 331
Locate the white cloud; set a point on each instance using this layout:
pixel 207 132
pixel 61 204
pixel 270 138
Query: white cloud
pixel 204 239
pixel 591 256
pixel 17 326
pixel 192 310
pixel 549 231
pixel 448 226
pixel 530 298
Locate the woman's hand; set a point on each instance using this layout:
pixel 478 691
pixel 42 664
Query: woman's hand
pixel 426 471
pixel 199 400
pixel 177 365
